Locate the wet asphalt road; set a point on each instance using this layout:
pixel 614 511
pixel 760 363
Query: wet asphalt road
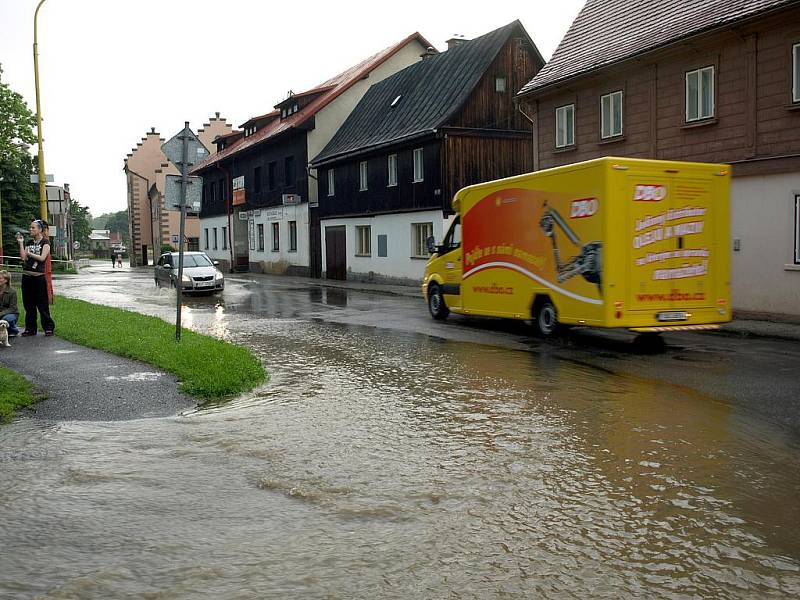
pixel 757 376
pixel 390 456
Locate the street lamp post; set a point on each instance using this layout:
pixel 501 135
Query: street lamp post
pixel 42 176
pixel 2 257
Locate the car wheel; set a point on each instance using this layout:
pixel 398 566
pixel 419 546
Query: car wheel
pixel 436 304
pixel 545 318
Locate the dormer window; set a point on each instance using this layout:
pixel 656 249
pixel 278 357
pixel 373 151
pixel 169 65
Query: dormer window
pixel 289 110
pixel 250 131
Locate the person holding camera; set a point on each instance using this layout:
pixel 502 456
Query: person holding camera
pixel 34 283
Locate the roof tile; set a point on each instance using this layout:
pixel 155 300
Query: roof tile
pixel 609 31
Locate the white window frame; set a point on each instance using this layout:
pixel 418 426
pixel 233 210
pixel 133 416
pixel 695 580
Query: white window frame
pixel 391 165
pixel 607 124
pixel 363 240
pixel 797 229
pixel 700 91
pixel 331 182
pixel 420 232
pixel 363 174
pixel 419 165
pixel 565 117
pixel 796 73
pixel 276 236
pixel 500 84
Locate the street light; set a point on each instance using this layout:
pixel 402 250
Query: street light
pixel 42 176
pixel 1 221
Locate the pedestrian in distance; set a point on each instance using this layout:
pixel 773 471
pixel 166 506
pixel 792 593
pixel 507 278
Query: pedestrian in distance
pixel 113 260
pixel 34 282
pixel 8 303
pixel 119 260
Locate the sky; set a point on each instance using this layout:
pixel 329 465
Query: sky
pixel 110 70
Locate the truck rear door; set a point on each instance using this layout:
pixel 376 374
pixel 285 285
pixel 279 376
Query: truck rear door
pixel 671 219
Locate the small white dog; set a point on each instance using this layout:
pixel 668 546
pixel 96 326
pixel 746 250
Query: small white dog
pixel 4 333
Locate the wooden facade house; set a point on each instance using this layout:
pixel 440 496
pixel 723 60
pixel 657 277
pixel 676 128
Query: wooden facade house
pixel 710 81
pixel 388 175
pixel 259 201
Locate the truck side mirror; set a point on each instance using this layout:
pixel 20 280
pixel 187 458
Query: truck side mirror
pixel 431 244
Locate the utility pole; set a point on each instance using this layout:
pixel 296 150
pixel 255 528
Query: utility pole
pixel 42 176
pixel 1 222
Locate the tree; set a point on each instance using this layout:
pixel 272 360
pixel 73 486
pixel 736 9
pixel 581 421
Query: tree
pixel 117 221
pixel 81 223
pixel 20 202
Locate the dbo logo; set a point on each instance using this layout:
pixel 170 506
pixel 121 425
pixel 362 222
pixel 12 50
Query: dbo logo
pixel 649 193
pixel 585 207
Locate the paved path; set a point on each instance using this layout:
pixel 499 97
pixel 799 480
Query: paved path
pixel 89 385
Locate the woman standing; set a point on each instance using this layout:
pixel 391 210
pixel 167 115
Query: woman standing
pixel 34 283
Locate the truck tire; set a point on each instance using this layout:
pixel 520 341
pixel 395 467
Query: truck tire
pixel 436 304
pixel 545 318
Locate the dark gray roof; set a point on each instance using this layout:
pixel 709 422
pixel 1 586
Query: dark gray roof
pixel 609 31
pixel 430 92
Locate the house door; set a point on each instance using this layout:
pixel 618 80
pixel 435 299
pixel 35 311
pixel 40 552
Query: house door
pixel 335 253
pixel 241 252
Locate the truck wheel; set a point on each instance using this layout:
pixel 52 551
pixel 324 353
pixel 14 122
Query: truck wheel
pixel 436 304
pixel 545 318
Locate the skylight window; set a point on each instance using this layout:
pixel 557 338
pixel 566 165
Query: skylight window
pixel 396 101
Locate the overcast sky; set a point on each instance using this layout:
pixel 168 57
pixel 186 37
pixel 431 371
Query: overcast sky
pixel 110 70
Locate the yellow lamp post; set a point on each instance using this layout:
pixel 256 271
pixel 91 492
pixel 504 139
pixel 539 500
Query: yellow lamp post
pixel 42 176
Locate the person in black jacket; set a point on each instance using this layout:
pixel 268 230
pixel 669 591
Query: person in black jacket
pixel 8 303
pixel 34 282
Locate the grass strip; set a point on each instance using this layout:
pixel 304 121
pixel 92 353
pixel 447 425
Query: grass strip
pixel 208 368
pixel 15 392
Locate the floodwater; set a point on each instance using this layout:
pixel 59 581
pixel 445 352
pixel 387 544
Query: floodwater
pixel 383 464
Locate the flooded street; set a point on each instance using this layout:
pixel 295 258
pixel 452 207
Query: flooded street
pixel 386 462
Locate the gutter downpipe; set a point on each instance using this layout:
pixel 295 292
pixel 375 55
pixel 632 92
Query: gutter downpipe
pixel 535 136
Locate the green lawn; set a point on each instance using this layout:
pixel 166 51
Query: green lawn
pixel 15 392
pixel 208 368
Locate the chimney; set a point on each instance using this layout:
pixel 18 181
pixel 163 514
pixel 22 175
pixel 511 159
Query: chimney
pixel 429 51
pixel 456 40
pixel 217 115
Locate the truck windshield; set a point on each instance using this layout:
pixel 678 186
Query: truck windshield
pixel 453 238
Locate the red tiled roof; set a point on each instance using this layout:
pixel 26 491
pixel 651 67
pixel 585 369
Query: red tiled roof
pixel 332 89
pixel 609 31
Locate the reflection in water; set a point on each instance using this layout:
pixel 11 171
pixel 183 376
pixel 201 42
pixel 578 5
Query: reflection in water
pixel 381 464
pixel 336 297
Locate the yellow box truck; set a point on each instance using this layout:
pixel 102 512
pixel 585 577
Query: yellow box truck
pixel 611 242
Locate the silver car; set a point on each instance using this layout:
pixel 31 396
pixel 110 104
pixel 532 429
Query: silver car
pixel 200 273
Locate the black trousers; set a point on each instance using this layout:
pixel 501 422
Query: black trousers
pixel 34 297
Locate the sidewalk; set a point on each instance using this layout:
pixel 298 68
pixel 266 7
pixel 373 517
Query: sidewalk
pixel 740 327
pixel 91 385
